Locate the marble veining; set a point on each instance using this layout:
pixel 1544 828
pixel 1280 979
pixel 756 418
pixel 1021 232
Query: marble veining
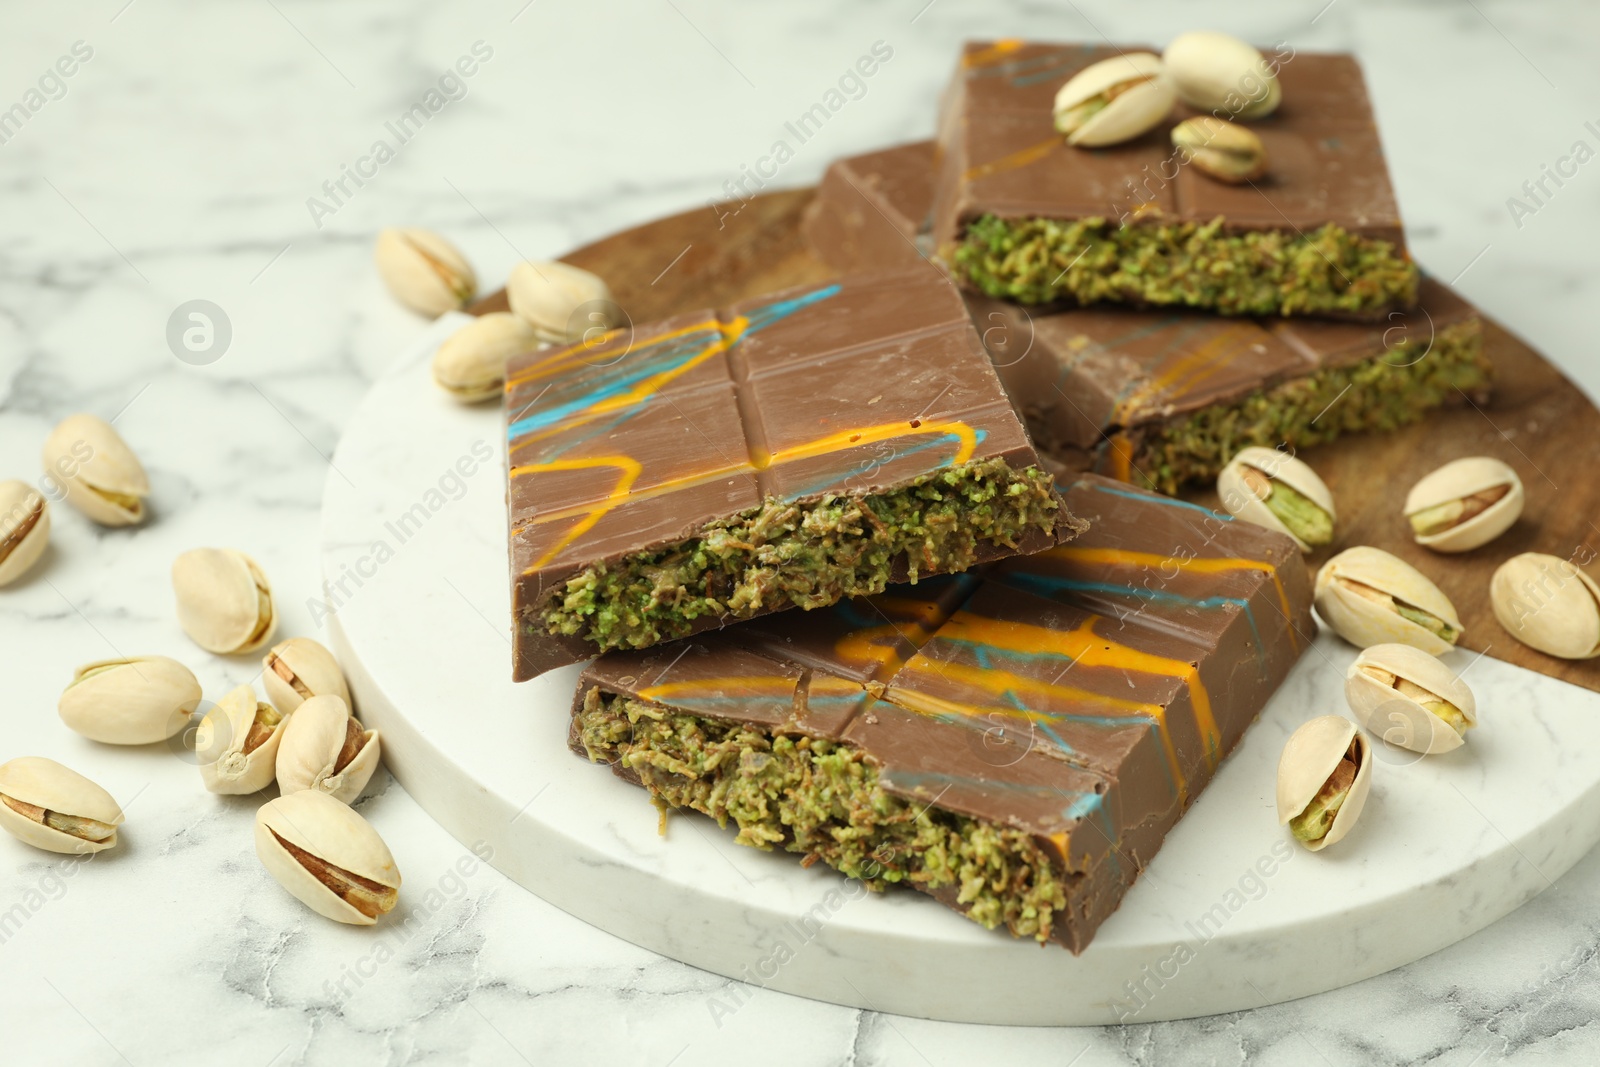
pixel 176 164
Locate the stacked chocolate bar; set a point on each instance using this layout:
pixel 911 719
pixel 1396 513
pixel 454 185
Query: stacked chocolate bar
pixel 1163 398
pixel 841 601
pixel 1015 741
pixel 786 452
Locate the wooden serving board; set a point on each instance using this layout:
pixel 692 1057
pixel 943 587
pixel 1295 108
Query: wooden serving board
pixel 1538 421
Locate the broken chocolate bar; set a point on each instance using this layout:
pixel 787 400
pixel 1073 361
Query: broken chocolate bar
pixel 1016 741
pixel 1165 398
pixel 1021 215
pixel 785 452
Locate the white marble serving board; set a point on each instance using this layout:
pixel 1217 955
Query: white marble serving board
pixel 1230 915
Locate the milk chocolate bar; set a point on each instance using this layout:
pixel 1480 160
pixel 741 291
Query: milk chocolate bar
pixel 1021 215
pixel 785 452
pixel 1015 741
pixel 1165 398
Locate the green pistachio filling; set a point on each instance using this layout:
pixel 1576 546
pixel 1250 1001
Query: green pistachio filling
pixel 807 554
pixel 1449 713
pixel 1316 820
pixel 1452 513
pixel 1428 621
pixel 822 799
pixel 1190 264
pixel 1303 518
pixel 1314 823
pixel 1436 519
pixel 1380 394
pixel 1070 119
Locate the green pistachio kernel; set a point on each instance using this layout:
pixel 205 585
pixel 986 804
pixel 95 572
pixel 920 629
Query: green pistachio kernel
pixel 1314 823
pixel 1300 515
pixel 1428 621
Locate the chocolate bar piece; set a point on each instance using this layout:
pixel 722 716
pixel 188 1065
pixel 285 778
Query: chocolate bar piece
pixel 874 211
pixel 1016 741
pixel 785 452
pixel 1020 214
pixel 1165 398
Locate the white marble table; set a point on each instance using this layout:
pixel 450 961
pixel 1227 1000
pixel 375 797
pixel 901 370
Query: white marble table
pixel 176 164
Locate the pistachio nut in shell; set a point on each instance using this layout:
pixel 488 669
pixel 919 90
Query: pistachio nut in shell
pixel 55 808
pixel 1114 100
pixel 298 669
pixel 1274 489
pixel 1548 604
pixel 1410 699
pixel 424 271
pixel 1324 776
pixel 24 529
pixel 1464 504
pixel 224 600
pixel 1370 597
pixel 134 701
pixel 237 743
pixel 547 295
pixel 471 364
pixel 1221 74
pixel 1221 150
pixel 326 750
pixel 98 471
pixel 328 857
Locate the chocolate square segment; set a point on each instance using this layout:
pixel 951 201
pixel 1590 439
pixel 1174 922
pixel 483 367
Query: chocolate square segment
pixel 871 209
pixel 785 452
pixel 932 404
pixel 877 310
pixel 1164 398
pixel 1052 714
pixel 1020 214
pixel 581 382
pixel 689 437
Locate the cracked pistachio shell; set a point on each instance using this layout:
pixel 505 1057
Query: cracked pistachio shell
pixel 309 755
pixel 1364 621
pixel 471 364
pixel 239 722
pixel 61 810
pixel 1450 486
pixel 24 529
pixel 424 271
pixel 1309 759
pixel 1238 493
pixel 548 295
pixel 1215 72
pixel 330 834
pixel 224 601
pixel 300 668
pixel 1222 150
pixel 1114 100
pixel 101 475
pixel 1397 717
pixel 1548 604
pixel 135 701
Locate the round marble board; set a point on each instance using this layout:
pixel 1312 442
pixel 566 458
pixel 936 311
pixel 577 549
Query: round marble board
pixel 1230 914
